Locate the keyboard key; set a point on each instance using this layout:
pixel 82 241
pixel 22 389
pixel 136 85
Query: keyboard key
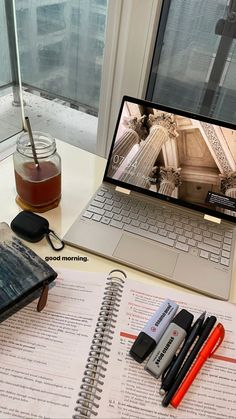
pixel 107 207
pixel 142 219
pixel 162 232
pixel 135 223
pixel 212 242
pixel 99 198
pixel 96 217
pixel 179 230
pixel 105 220
pixel 192 242
pixel 95 210
pixel 188 234
pixel 214 258
pixel 125 213
pixel 206 234
pixel 224 261
pixel 117 217
pixel 208 248
pixel 116 224
pixel 144 226
pixel 182 246
pixel 178 224
pixel 169 221
pixel 197 237
pixel 226 247
pixel 188 227
pixel 126 220
pixel 87 214
pixel 133 215
pixel 160 225
pixel 117 198
pixel 109 201
pixel 97 204
pixel 229 234
pixel 182 239
pixel 217 237
pixel 101 193
pixel 172 236
pixel 227 240
pixel 151 221
pixel 116 210
pixel 153 229
pixel 108 195
pixel 204 254
pixel 170 228
pixel 225 254
pixel 117 204
pixel 108 214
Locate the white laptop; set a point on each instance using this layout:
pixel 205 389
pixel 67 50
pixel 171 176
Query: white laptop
pixel 167 203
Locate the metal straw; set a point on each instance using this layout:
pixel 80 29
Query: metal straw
pixel 32 142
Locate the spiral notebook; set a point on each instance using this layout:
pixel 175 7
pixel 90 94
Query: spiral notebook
pixel 72 359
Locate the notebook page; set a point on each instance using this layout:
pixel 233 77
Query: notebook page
pixel 43 355
pixel 131 392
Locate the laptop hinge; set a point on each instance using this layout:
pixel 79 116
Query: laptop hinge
pixel 122 190
pixel 212 219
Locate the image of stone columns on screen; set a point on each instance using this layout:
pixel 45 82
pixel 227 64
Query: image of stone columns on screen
pixel 176 156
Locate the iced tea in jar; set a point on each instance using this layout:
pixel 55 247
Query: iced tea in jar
pixel 38 186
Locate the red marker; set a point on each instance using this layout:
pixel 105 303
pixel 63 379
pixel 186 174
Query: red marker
pixel 211 345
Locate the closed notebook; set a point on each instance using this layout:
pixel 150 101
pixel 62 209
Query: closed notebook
pixel 23 274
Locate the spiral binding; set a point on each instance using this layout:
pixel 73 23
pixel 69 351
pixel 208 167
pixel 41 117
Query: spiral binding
pixel 95 369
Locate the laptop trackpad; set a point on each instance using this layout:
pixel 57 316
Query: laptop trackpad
pixel 146 255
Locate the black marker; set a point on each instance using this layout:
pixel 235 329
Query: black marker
pixel 207 327
pixel 174 368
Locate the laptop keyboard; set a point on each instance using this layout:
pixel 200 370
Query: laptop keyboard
pixel 169 227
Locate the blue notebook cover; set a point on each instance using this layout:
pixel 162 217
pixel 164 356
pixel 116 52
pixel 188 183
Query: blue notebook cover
pixel 22 272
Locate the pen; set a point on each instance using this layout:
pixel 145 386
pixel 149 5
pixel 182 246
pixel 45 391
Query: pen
pixel 211 345
pixel 207 327
pixel 174 368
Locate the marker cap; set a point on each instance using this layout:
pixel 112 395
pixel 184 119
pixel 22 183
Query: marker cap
pixel 142 347
pixel 183 319
pixel 153 331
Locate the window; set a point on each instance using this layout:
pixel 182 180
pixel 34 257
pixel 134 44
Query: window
pixel 194 65
pixel 67 62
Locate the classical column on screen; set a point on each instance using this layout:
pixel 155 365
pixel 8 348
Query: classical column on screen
pixel 228 188
pixel 136 131
pixel 169 178
pixel 162 127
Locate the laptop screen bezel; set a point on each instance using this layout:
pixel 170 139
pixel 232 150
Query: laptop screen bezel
pixel 157 195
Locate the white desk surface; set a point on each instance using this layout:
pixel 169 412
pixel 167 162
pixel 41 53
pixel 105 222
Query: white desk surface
pixel 82 173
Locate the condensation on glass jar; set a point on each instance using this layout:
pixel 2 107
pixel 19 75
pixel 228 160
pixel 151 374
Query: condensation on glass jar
pixel 38 188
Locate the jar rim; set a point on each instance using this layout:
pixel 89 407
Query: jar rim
pixel 45 144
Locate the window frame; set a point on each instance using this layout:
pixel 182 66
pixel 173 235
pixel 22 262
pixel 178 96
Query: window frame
pixel 125 67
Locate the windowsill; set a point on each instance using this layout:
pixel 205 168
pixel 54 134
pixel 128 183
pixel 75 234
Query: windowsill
pixel 69 125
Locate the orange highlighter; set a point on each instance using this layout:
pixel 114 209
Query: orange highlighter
pixel 211 345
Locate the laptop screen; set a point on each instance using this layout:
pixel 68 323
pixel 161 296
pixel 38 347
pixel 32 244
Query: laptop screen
pixel 175 156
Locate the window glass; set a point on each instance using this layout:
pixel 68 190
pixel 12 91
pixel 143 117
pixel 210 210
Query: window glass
pixel 62 61
pixel 194 60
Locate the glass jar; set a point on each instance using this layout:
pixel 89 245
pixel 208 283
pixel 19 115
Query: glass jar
pixel 38 187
